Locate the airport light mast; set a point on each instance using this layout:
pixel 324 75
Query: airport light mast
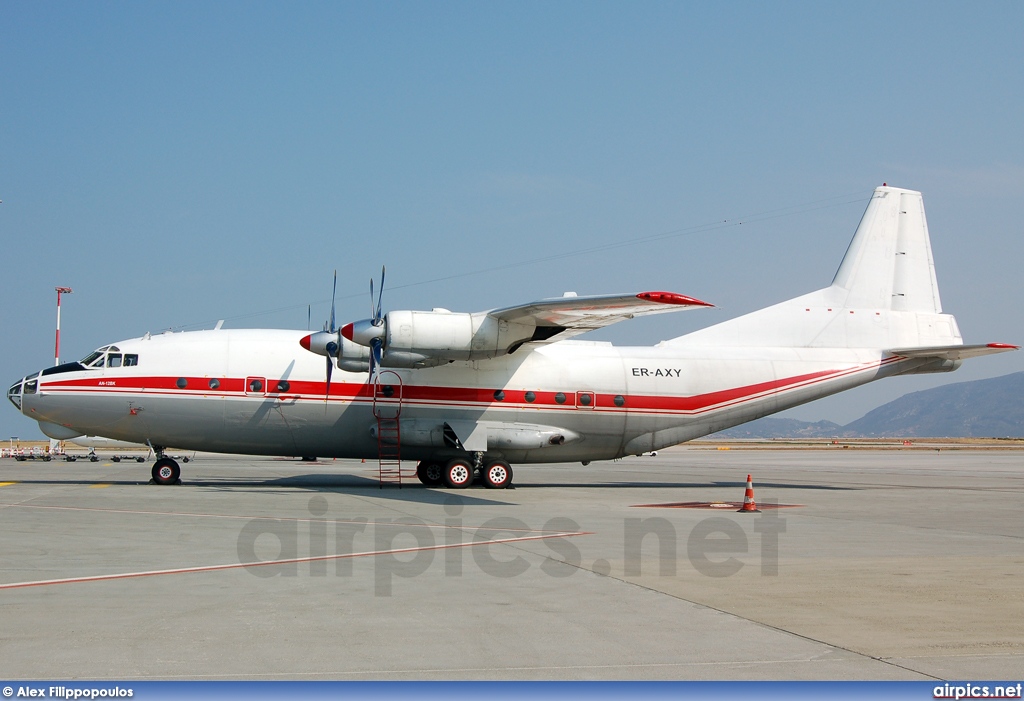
pixel 56 350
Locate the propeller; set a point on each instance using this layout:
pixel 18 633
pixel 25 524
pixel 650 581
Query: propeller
pixel 332 346
pixel 369 333
pixel 377 321
pixel 326 342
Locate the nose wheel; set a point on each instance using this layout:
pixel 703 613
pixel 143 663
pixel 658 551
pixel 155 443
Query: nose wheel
pixel 166 471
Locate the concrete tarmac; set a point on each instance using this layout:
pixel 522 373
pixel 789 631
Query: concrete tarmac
pixel 882 565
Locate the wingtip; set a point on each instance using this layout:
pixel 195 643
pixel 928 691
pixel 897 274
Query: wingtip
pixel 673 298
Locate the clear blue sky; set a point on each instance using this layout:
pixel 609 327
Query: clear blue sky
pixel 178 163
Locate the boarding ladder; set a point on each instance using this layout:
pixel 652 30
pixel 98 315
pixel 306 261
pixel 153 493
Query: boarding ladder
pixel 387 409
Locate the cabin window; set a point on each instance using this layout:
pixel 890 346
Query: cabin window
pixel 499 396
pixel 214 383
pixel 182 383
pixel 586 399
pixel 255 386
pixel 619 400
pixel 131 359
pixel 560 398
pixel 283 386
pixel 530 397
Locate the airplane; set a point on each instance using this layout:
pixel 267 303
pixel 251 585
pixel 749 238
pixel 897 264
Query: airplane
pixel 467 395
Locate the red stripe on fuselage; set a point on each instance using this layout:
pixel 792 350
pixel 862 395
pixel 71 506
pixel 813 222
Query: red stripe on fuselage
pixel 425 395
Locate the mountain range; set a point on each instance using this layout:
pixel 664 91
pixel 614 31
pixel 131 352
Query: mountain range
pixel 992 408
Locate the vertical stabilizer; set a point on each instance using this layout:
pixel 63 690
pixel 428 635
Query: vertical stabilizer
pixel 889 262
pixel 884 295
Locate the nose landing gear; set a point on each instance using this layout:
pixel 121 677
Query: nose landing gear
pixel 165 469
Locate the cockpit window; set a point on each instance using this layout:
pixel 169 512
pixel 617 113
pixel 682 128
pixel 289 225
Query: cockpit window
pixel 109 356
pixel 91 358
pixel 14 394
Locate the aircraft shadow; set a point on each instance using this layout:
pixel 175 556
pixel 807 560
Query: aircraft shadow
pixel 409 492
pixel 414 491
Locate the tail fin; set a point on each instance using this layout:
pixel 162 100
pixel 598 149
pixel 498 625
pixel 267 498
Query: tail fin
pixel 884 295
pixel 889 262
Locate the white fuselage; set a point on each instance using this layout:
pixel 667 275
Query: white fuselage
pixel 258 392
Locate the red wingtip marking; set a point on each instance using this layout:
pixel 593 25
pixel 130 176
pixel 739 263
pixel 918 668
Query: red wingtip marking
pixel 1003 345
pixel 304 341
pixel 672 298
pixel 346 331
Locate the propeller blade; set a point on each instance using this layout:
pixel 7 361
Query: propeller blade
pixel 330 369
pixel 334 291
pixel 380 298
pixel 376 352
pixel 372 317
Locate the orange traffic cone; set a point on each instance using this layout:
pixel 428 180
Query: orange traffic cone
pixel 748 499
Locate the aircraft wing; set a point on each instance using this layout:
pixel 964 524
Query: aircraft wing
pixel 563 317
pixel 953 352
pixel 419 339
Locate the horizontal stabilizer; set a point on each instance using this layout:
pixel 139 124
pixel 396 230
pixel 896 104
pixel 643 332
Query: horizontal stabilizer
pixel 953 352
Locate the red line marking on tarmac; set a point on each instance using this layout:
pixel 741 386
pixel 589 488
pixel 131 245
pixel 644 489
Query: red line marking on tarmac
pixel 712 505
pixel 319 558
pixel 267 518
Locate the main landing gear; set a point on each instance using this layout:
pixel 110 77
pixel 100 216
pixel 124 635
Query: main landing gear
pixel 430 473
pixel 460 473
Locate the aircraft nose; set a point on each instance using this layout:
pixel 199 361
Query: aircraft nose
pixel 26 385
pixel 14 395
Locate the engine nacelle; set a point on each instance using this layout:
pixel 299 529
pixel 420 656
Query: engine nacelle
pixel 350 356
pixel 353 357
pixel 445 335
